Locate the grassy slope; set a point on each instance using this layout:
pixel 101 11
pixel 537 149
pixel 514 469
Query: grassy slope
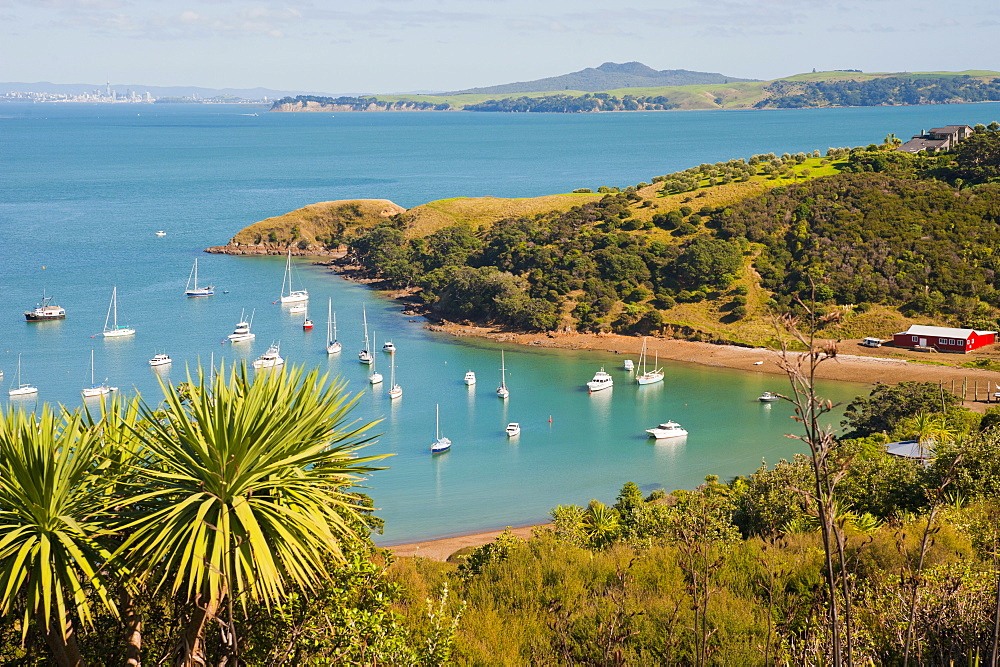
pixel 710 316
pixel 738 95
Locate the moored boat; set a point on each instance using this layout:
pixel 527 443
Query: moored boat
pixel 441 443
pixel 768 397
pixel 160 359
pixel 513 429
pixel 649 376
pixel 45 310
pixel 111 327
pixel 271 358
pixel 502 391
pixel 470 378
pixel 18 388
pixel 601 380
pixel 332 345
pixel 242 331
pixel 668 429
pixel 192 288
pixel 293 295
pixel 96 389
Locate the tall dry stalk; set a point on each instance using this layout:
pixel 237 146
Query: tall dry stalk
pixel 827 467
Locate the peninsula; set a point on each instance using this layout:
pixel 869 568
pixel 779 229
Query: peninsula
pixel 706 255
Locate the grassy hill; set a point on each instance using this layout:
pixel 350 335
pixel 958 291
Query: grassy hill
pixel 733 95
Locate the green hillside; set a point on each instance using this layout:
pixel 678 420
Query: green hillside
pixel 735 95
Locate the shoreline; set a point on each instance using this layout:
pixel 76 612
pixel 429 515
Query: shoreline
pixel 885 365
pixel 441 548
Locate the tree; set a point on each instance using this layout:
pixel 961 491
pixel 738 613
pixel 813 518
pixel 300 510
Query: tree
pixel 246 493
pixel 54 516
pixel 887 405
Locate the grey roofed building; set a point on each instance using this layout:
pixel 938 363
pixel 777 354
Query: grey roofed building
pixel 937 139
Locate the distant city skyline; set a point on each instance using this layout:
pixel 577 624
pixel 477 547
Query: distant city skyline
pixel 383 46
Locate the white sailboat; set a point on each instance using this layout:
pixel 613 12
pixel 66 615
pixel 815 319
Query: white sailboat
pixel 192 288
pixel 115 330
pixel 375 377
pixel 96 389
pixel 395 391
pixel 332 346
pixel 502 390
pixel 364 356
pixel 652 376
pixel 19 389
pixel 440 444
pixel 293 295
pixel 242 331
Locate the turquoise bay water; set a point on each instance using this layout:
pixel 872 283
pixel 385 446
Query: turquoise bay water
pixel 83 188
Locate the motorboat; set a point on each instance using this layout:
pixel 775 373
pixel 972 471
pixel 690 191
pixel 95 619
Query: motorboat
pixel 45 311
pixel 292 295
pixel 388 347
pixel 96 389
pixel 161 233
pixel 667 430
pixel 332 346
pixel 649 376
pixel 161 360
pixel 111 327
pixel 441 443
pixel 602 380
pixel 470 378
pixel 18 388
pixel 629 365
pixel 295 310
pixel 513 429
pixel 242 331
pixel 271 358
pixel 768 397
pixel 502 391
pixel 192 288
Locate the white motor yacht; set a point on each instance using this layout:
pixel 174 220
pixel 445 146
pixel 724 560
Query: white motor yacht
pixel 602 380
pixel 768 397
pixel 160 360
pixel 470 378
pixel 666 430
pixel 242 331
pixel 269 359
pixel 513 429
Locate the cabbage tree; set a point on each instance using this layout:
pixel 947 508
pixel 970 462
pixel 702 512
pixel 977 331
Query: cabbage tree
pixel 247 491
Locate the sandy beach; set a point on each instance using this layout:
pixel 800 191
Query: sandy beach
pixel 441 549
pixel 853 362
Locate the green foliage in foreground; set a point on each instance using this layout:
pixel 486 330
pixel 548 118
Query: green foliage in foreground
pixel 222 524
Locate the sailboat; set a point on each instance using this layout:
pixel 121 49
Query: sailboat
pixel 395 391
pixel 192 288
pixel 375 377
pixel 96 389
pixel 332 346
pixel 364 356
pixel 307 323
pixel 293 295
pixel 18 389
pixel 502 390
pixel 441 444
pixel 114 330
pixel 649 377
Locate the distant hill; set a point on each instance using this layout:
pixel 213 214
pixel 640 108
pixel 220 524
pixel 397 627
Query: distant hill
pixel 608 76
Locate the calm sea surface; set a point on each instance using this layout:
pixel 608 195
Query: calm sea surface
pixel 83 188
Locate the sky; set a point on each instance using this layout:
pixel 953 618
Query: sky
pixel 384 46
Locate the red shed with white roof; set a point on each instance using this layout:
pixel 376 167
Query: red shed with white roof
pixel 943 339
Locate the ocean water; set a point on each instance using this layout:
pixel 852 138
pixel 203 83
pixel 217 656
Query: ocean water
pixel 83 188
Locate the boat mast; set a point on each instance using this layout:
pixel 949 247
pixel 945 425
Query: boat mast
pixel 329 321
pixel 503 371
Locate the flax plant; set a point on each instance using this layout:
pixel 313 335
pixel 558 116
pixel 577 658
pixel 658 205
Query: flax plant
pixel 54 547
pixel 247 494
